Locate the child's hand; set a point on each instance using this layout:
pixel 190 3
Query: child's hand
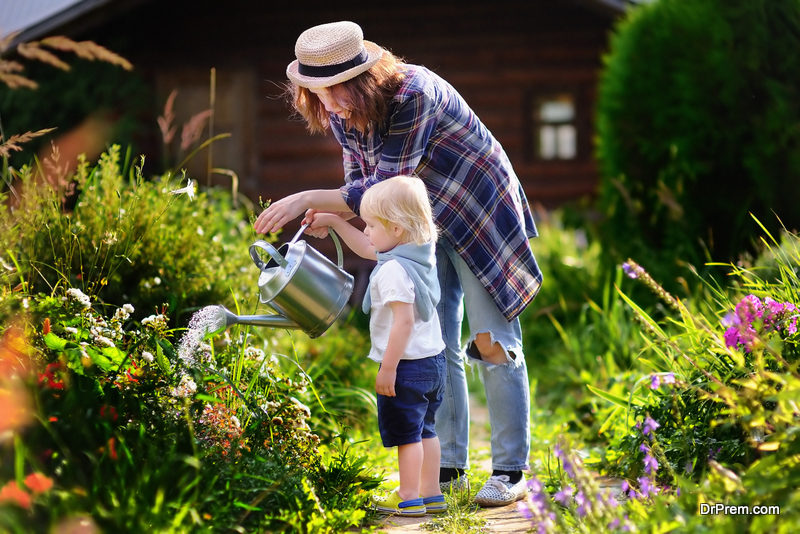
pixel 317 222
pixel 384 383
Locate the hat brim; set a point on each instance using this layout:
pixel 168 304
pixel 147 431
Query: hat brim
pixel 374 53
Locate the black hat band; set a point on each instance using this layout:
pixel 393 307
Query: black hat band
pixel 325 71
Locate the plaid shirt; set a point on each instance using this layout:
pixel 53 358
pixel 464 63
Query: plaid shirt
pixel 478 202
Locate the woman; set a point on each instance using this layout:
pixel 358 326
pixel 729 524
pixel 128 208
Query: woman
pixel 396 118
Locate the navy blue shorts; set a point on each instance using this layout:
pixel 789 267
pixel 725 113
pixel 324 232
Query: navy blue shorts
pixel 410 415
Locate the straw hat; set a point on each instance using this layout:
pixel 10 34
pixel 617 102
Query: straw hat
pixel 331 53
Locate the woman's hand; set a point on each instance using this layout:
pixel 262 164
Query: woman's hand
pixel 280 212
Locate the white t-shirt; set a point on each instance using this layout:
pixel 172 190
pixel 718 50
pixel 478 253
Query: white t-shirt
pixel 391 283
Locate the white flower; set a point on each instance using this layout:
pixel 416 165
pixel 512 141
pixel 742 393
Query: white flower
pixel 76 294
pixel 121 315
pixel 104 341
pixel 155 321
pixel 254 353
pixel 186 387
pixel 148 357
pixel 235 421
pixel 303 408
pixel 189 190
pixel 128 308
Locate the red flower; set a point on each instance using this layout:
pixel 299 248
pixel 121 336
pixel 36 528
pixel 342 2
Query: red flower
pixel 13 494
pixel 108 412
pixel 38 483
pixel 46 326
pixel 112 448
pixel 49 379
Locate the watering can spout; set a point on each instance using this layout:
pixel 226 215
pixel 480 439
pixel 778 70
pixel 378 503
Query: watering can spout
pixel 219 318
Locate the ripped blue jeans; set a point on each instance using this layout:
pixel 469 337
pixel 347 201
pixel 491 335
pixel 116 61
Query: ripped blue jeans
pixel 507 387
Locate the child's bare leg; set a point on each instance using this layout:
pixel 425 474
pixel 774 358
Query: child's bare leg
pixel 409 460
pixel 432 454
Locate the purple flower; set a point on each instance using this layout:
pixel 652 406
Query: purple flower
pixel 534 485
pixel 668 378
pixel 649 426
pixel 569 468
pixel 646 486
pixel 584 505
pixel 614 523
pixel 626 488
pixel 750 309
pixel 655 381
pixel 732 337
pixel 731 319
pixel 524 510
pixel 563 496
pixel 629 270
pixel 650 464
pixel 610 500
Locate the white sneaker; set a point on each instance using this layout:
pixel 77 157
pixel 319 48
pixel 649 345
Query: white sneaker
pixel 457 485
pixel 499 491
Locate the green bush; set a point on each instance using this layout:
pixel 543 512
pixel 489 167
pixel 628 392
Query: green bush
pixel 696 122
pixel 123 238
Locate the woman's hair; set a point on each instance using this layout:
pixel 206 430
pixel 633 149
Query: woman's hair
pixel 367 97
pixel 402 200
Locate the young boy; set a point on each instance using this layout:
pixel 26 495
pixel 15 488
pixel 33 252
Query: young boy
pixel 404 330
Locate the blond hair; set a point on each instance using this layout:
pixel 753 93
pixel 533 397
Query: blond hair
pixel 402 200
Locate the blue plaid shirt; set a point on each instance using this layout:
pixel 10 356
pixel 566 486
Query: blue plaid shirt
pixel 478 202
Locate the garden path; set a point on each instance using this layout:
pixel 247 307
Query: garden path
pixel 502 519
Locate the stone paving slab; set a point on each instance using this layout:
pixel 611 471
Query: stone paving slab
pixel 501 519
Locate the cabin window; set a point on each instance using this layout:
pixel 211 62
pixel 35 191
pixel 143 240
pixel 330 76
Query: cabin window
pixel 555 127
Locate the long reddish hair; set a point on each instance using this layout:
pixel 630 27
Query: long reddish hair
pixel 367 96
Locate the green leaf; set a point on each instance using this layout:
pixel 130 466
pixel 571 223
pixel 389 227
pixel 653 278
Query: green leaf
pixel 54 342
pixel 161 360
pixel 207 398
pixel 615 399
pixel 115 355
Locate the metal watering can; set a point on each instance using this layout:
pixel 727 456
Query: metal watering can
pixel 307 290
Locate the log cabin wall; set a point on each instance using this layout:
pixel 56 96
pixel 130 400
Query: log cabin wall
pixel 528 68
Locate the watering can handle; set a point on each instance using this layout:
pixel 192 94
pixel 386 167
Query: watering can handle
pixel 281 260
pixel 270 250
pixel 339 259
pixel 339 256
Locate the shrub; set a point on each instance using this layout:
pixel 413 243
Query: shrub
pixel 114 234
pixel 696 129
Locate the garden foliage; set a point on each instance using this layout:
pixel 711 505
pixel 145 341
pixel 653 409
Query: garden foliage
pixel 113 233
pixel 696 125
pixel 113 419
pixel 707 413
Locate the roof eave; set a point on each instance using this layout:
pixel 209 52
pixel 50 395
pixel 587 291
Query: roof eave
pixel 56 21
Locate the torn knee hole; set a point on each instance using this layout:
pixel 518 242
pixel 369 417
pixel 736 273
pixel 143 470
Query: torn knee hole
pixel 483 348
